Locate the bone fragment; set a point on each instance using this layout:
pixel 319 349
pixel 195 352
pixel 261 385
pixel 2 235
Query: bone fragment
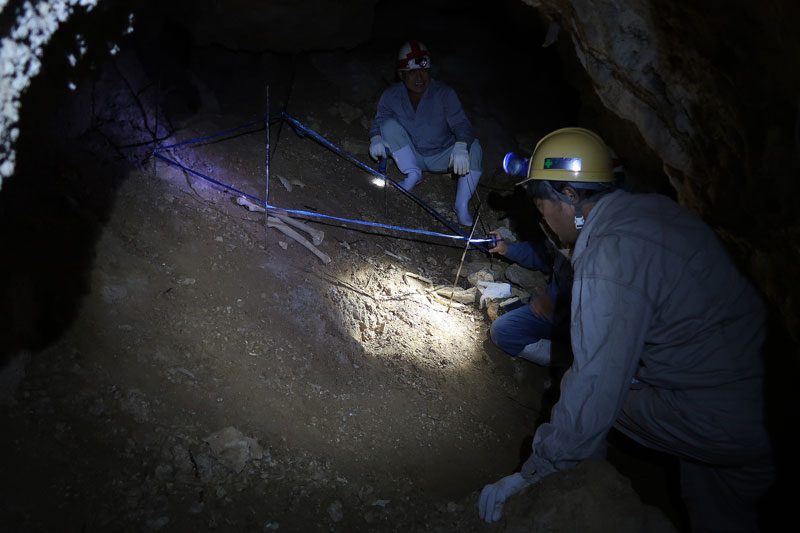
pixel 250 206
pixel 316 235
pixel 398 257
pixel 286 183
pixel 407 275
pixel 289 232
pixel 448 302
pixel 465 296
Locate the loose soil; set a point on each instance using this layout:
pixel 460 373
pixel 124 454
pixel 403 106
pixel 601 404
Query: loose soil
pixel 173 365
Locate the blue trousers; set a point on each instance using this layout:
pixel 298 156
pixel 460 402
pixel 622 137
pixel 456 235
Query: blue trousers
pixel 516 329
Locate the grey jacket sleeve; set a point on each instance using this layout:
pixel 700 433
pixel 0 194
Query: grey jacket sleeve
pixel 384 111
pixel 610 322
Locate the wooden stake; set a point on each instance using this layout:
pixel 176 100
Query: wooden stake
pixel 266 187
pixel 463 255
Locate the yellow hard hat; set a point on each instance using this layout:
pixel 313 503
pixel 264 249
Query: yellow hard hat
pixel 571 154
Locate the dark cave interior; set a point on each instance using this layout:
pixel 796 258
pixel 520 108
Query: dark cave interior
pixel 74 153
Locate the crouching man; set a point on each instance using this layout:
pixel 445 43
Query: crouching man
pixel 529 330
pixel 421 122
pixel 666 338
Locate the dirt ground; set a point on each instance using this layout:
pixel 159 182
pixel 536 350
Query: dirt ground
pixel 175 366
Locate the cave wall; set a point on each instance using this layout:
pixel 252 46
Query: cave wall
pixel 713 89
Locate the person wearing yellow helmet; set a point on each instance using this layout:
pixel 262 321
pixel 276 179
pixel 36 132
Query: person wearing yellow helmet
pixel 666 337
pixel 571 166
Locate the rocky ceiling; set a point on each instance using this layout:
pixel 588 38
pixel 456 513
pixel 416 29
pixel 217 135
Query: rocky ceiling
pixel 710 88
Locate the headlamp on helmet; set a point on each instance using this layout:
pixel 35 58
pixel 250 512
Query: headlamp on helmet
pixel 574 156
pixel 413 55
pixel 571 154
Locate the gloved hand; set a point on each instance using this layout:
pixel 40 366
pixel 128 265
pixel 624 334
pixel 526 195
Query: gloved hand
pixel 377 147
pixel 459 158
pixel 493 496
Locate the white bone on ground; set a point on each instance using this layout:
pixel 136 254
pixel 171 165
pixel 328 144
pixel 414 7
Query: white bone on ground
pixel 289 232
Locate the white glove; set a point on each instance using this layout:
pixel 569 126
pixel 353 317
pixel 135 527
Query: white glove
pixel 459 158
pixel 377 147
pixel 493 496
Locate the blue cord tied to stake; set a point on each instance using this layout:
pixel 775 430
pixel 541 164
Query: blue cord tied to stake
pixel 301 129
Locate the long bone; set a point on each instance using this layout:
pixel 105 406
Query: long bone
pixel 278 224
pixel 316 235
pixel 281 222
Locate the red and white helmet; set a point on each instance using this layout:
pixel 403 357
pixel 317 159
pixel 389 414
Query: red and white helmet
pixel 413 55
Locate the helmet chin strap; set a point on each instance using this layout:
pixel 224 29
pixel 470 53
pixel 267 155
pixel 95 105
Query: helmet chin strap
pixel 580 220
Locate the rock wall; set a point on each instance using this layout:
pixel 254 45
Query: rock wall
pixel 713 89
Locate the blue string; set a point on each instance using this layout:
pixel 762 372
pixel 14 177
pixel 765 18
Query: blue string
pixel 418 200
pixel 336 149
pixel 201 139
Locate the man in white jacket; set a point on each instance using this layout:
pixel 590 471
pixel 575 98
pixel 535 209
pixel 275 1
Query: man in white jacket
pixel 666 336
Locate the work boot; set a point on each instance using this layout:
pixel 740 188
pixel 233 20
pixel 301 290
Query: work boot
pixel 537 352
pixel 407 164
pixel 466 187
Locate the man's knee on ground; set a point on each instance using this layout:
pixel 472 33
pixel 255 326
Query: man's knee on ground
pixel 498 334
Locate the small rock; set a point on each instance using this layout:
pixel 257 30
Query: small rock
pixel 234 449
pixel 163 471
pixel 157 523
pixel 480 275
pixel 531 280
pixel 493 310
pixel 335 511
pixel 507 234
